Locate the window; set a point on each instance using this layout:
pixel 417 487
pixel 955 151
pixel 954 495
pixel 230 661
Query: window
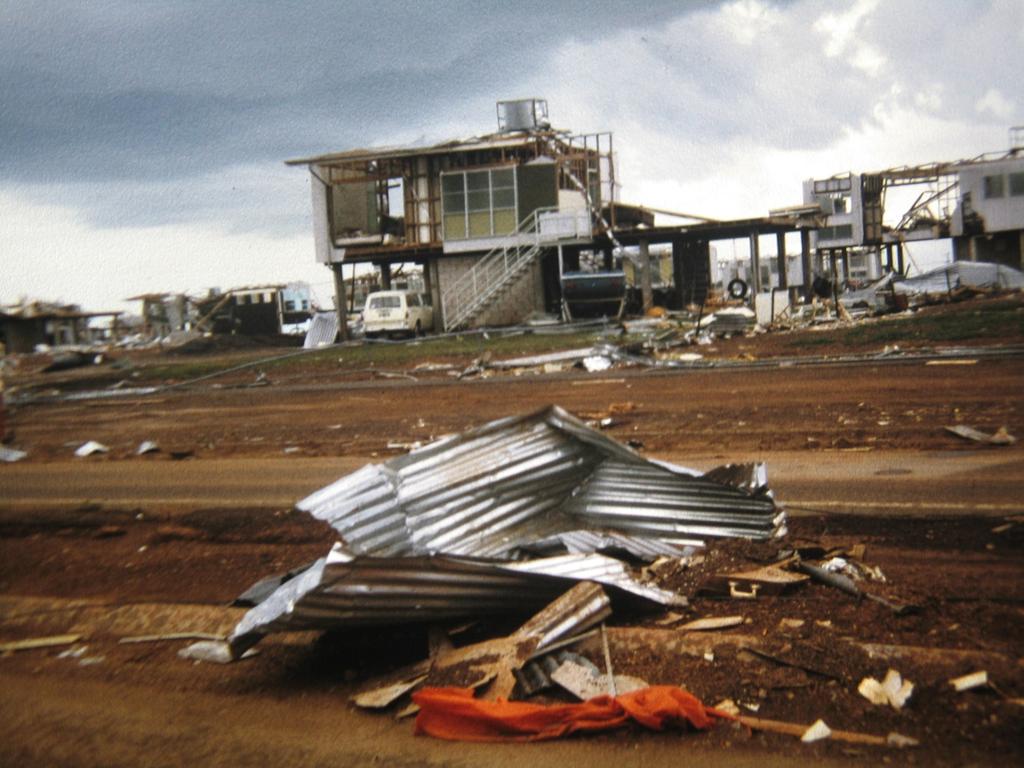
pixel 479 203
pixel 994 187
pixel 1017 184
pixel 385 302
pixel 289 306
pixel 412 300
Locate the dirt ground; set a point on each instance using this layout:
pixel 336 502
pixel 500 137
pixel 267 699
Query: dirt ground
pixel 119 545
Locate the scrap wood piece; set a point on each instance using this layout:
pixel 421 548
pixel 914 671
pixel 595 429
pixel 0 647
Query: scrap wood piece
pixel 789 663
pixel 33 643
pixel 454 714
pixel 495 661
pixel 384 695
pixel 711 623
pixel 969 682
pixel 170 636
pixel 853 737
pixel 923 653
pixel 770 580
pixel 669 641
pixel 999 437
pixel 585 681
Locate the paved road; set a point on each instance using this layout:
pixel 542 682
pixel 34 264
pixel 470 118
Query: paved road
pixel 985 482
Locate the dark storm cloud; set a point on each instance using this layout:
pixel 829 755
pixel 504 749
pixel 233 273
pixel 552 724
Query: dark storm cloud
pixel 116 90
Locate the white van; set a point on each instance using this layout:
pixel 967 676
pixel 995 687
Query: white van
pixel 397 312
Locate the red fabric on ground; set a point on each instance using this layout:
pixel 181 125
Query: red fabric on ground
pixel 453 713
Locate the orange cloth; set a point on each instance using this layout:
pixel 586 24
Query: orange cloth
pixel 453 713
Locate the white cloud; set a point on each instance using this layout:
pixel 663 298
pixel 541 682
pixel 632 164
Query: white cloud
pixel 50 253
pixel 995 104
pixel 840 29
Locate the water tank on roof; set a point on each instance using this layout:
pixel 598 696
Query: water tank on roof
pixel 523 115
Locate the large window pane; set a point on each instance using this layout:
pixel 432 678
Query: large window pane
pixel 480 200
pixel 505 198
pixel 480 224
pixel 477 180
pixel 504 221
pixel 1017 184
pixel 455 226
pixel 994 186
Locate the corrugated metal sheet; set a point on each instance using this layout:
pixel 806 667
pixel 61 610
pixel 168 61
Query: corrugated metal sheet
pixel 497 488
pixel 343 590
pixel 323 330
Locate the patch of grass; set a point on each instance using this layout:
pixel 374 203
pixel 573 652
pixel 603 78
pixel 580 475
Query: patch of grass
pixel 818 339
pixel 382 355
pixel 989 320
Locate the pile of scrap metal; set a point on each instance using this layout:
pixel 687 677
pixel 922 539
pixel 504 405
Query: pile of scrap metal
pixel 500 521
pixel 961 279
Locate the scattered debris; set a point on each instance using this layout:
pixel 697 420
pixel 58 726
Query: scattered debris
pixel 91 447
pixel 214 652
pixel 893 690
pixel 711 623
pixel 170 636
pixel 147 446
pixel 453 713
pixel 38 642
pixel 816 732
pixel 970 682
pixel 1000 437
pixel 11 455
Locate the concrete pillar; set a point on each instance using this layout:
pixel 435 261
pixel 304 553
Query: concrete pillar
pixel 385 276
pixel 900 267
pixel 646 288
pixel 427 277
pixel 780 250
pixel 805 262
pixel 846 265
pixel 340 303
pixel 1020 249
pixel 434 268
pixel 609 259
pixel 755 264
pixel 678 272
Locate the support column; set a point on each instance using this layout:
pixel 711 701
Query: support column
pixel 385 276
pixel 780 250
pixel 679 273
pixel 846 265
pixel 1020 246
pixel 646 288
pixel 755 264
pixel 609 260
pixel 805 263
pixel 900 267
pixel 339 300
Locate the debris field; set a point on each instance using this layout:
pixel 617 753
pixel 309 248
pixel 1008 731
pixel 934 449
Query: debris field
pixel 473 537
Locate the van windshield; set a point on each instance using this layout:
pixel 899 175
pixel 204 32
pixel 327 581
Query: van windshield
pixel 385 302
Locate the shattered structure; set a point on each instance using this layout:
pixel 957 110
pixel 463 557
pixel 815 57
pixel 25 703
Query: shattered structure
pixel 500 519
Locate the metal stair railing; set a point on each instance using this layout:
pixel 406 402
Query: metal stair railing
pixel 470 292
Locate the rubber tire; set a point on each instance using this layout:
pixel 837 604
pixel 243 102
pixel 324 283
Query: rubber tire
pixel 737 288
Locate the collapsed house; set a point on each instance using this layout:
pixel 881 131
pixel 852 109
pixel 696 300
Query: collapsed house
pixel 503 518
pixel 27 326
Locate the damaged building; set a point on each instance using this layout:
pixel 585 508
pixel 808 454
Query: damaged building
pixel 519 221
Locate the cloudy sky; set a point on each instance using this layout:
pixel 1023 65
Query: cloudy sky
pixel 143 142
